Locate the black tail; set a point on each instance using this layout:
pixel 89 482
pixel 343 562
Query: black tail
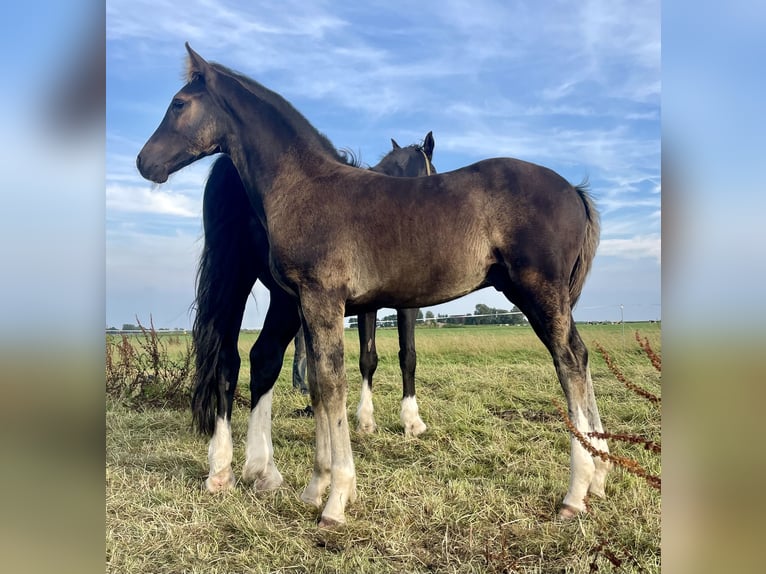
pixel 225 277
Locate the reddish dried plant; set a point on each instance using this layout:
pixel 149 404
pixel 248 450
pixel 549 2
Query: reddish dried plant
pixel 623 462
pixel 653 357
pixel 602 548
pixel 620 377
pixel 140 372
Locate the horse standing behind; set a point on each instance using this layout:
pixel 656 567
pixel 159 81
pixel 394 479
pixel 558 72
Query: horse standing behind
pixel 516 226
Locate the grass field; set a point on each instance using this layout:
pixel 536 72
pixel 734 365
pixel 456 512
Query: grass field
pixel 478 492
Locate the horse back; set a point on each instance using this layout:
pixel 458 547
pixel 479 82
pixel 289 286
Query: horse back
pixel 408 241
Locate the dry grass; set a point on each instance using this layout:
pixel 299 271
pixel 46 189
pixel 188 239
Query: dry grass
pixel 477 493
pixel 149 369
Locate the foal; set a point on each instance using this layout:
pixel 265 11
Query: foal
pixel 518 227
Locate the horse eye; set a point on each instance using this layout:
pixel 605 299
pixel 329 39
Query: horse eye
pixel 178 105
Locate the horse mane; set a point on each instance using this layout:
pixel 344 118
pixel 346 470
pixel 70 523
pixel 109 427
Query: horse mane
pixel 349 157
pixel 286 109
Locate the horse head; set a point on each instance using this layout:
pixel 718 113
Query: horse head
pixel 191 129
pixel 408 161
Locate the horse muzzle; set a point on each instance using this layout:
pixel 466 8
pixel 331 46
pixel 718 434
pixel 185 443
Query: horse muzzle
pixel 152 172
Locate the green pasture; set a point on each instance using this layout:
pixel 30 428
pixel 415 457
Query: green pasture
pixel 478 492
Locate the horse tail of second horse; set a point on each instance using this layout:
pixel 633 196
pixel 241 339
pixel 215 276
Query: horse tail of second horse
pixel 223 285
pixel 584 260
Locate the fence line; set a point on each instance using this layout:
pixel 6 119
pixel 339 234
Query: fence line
pixel 436 319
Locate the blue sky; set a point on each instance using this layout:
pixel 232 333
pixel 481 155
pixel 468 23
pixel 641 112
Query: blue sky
pixel 574 86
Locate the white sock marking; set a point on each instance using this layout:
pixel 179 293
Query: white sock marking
pixel 220 450
pixel 582 466
pixel 410 417
pixel 364 413
pixel 259 461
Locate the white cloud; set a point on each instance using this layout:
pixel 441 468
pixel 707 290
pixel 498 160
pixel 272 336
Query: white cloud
pixel 563 84
pixel 223 24
pixel 144 199
pixel 638 247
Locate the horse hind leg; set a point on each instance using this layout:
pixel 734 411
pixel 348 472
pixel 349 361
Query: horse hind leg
pixel 410 416
pixel 588 472
pixel 259 467
pixel 368 363
pixel 557 331
pixel 598 484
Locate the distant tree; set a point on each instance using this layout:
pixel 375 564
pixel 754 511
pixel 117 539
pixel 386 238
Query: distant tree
pixel 426 320
pixel 387 321
pixel 517 318
pixel 481 313
pixel 129 327
pixel 486 315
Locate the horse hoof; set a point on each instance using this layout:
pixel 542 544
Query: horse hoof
pixel 415 429
pixel 567 513
pixel 269 479
pixel 220 482
pixel 310 499
pixel 268 482
pixel 327 523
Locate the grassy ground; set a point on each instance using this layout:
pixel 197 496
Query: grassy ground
pixel 478 492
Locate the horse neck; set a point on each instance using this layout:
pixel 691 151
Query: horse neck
pixel 288 114
pixel 268 152
pixel 268 141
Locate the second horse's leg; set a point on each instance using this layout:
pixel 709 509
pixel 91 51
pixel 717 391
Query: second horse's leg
pixel 410 416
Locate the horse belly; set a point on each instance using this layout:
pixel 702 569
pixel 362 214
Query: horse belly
pixel 405 281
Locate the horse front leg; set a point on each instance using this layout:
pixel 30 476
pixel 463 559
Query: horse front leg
pixel 217 369
pixel 279 328
pixel 368 363
pixel 410 416
pixel 220 452
pixel 323 328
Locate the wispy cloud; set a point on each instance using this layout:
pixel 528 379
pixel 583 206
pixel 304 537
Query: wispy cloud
pixel 571 85
pixel 637 247
pixel 315 43
pixel 134 199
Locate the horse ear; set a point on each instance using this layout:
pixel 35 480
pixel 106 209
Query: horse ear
pixel 428 145
pixel 196 65
pixel 396 145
